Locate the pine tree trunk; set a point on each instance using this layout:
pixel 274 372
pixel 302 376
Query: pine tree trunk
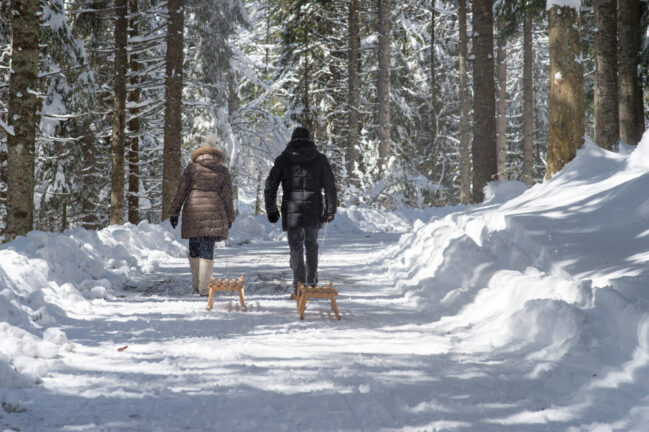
pixel 119 116
pixel 233 107
pixel 383 85
pixel 89 177
pixel 306 115
pixel 353 67
pixel 566 101
pixel 631 103
pixel 134 123
pixel 465 109
pixel 432 156
pixel 606 86
pixel 233 96
pixel 485 166
pixel 3 192
pixel 173 105
pixel 501 108
pixel 21 117
pixel 528 101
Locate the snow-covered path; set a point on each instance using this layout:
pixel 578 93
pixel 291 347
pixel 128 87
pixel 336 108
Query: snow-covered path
pixel 385 366
pixel 262 369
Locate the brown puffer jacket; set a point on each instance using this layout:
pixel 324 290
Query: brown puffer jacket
pixel 205 195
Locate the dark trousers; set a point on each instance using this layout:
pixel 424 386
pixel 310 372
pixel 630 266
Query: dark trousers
pixel 202 247
pixel 300 239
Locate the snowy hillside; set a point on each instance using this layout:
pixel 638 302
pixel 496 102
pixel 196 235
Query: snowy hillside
pixel 527 313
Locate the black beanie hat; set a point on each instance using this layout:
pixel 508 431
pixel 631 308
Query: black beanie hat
pixel 301 133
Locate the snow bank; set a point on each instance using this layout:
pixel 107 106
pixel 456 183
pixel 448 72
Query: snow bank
pixel 553 280
pixel 43 276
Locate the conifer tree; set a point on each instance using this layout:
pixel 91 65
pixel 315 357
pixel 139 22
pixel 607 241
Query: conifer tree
pixel 606 86
pixel 171 169
pixel 484 119
pixel 119 114
pixel 21 118
pixel 631 116
pixel 465 132
pixel 566 101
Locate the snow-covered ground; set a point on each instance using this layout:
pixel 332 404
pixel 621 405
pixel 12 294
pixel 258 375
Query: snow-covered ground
pixel 527 313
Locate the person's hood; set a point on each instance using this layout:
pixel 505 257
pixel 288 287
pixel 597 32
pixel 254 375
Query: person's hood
pixel 208 157
pixel 301 150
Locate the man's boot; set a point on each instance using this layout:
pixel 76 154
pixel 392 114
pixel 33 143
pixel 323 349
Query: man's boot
pixel 193 265
pixel 204 275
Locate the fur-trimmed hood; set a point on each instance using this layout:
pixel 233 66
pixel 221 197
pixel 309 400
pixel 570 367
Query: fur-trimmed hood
pixel 208 156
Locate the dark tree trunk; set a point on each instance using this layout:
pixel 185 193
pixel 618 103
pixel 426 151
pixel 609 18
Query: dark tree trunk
pixel 119 115
pixel 485 167
pixel 307 120
pixel 89 178
pixel 631 103
pixel 173 105
pixel 606 88
pixel 353 67
pixel 134 123
pixel 465 109
pixel 3 190
pixel 528 101
pixel 21 117
pixel 383 85
pixel 501 108
pixel 432 156
pixel 566 102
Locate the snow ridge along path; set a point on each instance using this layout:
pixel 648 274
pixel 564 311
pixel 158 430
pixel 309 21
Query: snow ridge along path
pixel 527 313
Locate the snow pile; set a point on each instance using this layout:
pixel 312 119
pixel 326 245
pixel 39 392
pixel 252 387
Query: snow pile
pixel 44 276
pixel 553 280
pixel 357 219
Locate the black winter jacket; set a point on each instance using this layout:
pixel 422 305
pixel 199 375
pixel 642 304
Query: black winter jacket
pixel 303 172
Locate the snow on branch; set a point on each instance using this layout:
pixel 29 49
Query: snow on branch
pixel 9 130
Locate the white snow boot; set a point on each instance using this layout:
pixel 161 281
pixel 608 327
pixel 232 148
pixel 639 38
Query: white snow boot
pixel 204 275
pixel 193 265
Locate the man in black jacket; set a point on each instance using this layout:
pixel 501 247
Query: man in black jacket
pixel 303 172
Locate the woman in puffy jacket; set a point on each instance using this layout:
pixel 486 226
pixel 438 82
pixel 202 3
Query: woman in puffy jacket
pixel 205 195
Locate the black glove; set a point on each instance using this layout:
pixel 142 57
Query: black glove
pixel 328 218
pixel 273 216
pixel 174 221
pixel 229 225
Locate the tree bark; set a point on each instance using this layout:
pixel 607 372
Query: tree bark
pixel 630 94
pixel 233 107
pixel 173 105
pixel 134 123
pixel 383 85
pixel 353 68
pixel 465 109
pixel 566 101
pixel 432 156
pixel 606 87
pixel 528 101
pixel 21 117
pixel 3 191
pixel 119 115
pixel 485 166
pixel 89 177
pixel 501 108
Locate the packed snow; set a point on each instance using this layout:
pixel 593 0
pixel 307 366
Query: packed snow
pixel 529 312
